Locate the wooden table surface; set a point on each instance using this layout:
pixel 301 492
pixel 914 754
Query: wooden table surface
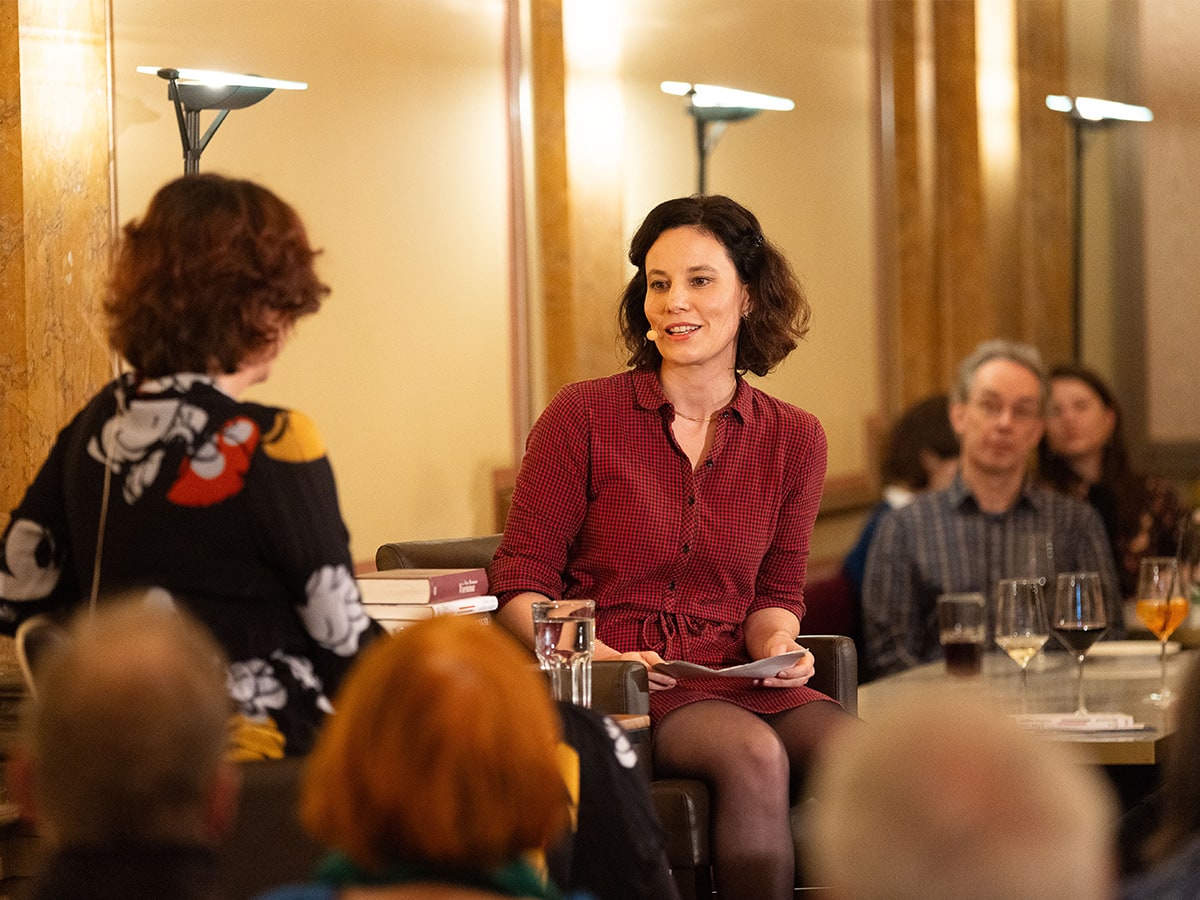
pixel 1116 683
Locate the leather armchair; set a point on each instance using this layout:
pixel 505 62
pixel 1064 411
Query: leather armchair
pixel 621 687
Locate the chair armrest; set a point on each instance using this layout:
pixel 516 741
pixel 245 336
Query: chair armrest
pixel 836 661
pixel 620 686
pixel 440 553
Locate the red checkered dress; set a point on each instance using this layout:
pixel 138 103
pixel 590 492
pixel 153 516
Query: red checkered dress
pixel 608 506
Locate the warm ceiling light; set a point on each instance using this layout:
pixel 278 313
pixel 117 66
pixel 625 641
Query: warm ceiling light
pixel 1093 110
pixel 714 107
pixel 223 79
pixel 192 90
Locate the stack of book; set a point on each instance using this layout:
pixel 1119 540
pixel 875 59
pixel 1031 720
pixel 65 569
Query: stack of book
pixel 398 597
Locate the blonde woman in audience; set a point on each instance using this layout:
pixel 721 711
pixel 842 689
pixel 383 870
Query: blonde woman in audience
pixel 941 798
pixel 439 776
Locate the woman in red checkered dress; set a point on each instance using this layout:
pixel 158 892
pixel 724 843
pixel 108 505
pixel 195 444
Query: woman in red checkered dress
pixel 682 500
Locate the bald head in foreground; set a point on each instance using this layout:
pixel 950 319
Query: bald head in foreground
pixel 943 798
pixel 121 756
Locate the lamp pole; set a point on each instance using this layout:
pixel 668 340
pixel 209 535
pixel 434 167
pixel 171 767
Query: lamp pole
pixel 1085 113
pixel 192 90
pixel 1077 248
pixel 714 108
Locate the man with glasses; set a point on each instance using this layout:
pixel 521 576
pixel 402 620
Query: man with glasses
pixel 990 523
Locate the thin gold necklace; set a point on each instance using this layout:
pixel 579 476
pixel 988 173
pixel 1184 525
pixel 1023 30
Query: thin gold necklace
pixel 704 420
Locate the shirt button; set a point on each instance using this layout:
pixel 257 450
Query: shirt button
pixel 691 501
pixel 708 462
pixel 686 548
pixel 671 586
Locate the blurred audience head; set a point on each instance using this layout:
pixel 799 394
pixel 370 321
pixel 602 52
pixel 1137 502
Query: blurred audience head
pixel 442 752
pixel 215 273
pixel 779 311
pixel 125 737
pixel 922 448
pixel 997 409
pixel 941 798
pixel 1083 423
pixel 1010 351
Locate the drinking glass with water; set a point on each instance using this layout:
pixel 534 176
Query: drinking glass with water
pixel 564 637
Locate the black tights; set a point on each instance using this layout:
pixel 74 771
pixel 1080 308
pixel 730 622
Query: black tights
pixel 753 765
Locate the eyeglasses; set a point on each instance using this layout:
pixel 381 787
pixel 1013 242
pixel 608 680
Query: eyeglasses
pixel 993 407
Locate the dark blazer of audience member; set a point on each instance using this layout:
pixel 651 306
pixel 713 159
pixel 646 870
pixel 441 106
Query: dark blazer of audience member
pixel 1083 453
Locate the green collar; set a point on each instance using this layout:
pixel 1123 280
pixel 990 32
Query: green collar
pixel 517 879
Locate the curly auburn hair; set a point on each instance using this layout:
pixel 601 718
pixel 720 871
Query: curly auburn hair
pixel 779 311
pixel 215 272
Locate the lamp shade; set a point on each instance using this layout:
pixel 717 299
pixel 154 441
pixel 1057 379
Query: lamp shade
pixel 193 90
pixel 713 107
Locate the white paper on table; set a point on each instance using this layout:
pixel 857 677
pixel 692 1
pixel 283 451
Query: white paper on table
pixel 760 668
pixel 1104 721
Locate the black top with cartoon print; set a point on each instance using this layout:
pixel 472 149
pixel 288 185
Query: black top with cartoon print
pixel 231 507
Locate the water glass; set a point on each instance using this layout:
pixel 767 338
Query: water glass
pixel 1033 557
pixel 564 638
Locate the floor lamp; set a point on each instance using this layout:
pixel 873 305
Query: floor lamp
pixel 1087 114
pixel 193 90
pixel 714 108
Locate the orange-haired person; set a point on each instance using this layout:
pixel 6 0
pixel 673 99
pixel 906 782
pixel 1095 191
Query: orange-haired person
pixel 439 775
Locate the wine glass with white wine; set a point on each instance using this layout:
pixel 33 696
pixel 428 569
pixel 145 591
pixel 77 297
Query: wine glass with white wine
pixel 1021 625
pixel 1078 619
pixel 1161 607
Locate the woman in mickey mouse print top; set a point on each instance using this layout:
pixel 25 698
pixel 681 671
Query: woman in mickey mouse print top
pixel 166 479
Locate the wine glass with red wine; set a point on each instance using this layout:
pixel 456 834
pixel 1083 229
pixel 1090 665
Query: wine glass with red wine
pixel 1078 620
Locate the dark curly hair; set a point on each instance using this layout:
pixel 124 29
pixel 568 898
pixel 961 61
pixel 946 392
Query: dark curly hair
pixel 779 311
pixel 216 270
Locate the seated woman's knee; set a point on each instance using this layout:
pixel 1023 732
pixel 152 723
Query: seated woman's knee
pixel 758 751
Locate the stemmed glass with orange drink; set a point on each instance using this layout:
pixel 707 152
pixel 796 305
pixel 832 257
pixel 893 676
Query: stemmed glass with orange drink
pixel 1161 607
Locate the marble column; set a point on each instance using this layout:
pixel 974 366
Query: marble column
pixel 973 237
pixel 56 207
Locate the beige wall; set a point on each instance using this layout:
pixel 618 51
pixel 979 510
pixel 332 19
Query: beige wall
pixel 396 158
